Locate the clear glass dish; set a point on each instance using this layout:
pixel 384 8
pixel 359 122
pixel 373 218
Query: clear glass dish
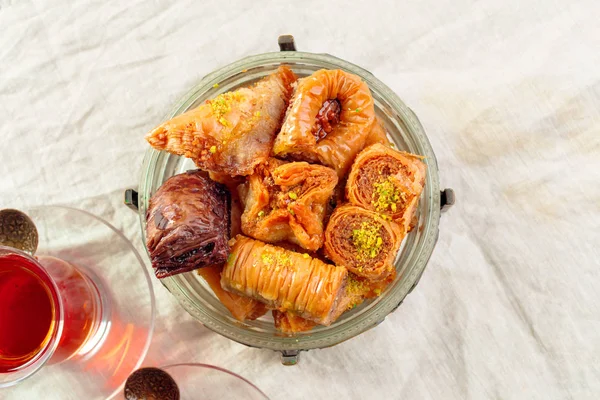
pixel 405 131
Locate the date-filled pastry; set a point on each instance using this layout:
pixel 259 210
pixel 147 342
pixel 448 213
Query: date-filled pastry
pixel 330 116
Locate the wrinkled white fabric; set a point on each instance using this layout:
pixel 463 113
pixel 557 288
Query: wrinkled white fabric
pixel 509 94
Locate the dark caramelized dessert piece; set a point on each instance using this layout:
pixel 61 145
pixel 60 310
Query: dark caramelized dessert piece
pixel 188 224
pixel 387 181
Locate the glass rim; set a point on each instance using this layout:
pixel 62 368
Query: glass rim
pixel 216 368
pixel 45 352
pixel 141 264
pixel 373 313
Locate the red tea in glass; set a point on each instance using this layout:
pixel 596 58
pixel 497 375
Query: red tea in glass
pixel 49 311
pixel 28 311
pixel 81 306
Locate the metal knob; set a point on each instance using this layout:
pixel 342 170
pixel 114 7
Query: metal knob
pixel 18 231
pixel 131 199
pixel 290 357
pixel 286 43
pixel 447 199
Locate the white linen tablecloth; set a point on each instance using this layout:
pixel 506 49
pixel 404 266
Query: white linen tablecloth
pixel 509 94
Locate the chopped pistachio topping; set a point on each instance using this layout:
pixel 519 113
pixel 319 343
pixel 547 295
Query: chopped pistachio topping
pixel 367 240
pixel 267 258
pixel 385 196
pixel 221 105
pixel 355 286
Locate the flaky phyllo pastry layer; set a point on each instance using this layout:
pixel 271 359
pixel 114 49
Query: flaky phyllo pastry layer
pixel 287 201
pixel 363 241
pixel 387 181
pixel 285 280
pixel 233 132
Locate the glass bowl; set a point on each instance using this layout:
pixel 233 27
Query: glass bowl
pixel 406 133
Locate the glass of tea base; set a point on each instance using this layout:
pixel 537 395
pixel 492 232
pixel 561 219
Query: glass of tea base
pixel 50 311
